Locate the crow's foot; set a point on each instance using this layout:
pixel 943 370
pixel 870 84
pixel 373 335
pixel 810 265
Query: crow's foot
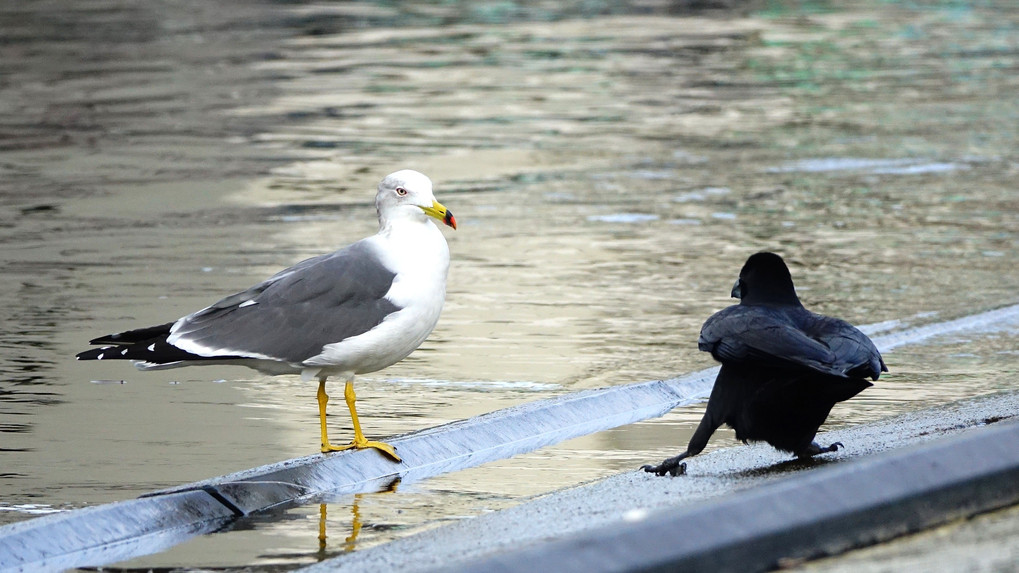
pixel 813 449
pixel 671 466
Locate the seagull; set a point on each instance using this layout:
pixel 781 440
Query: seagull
pixel 357 310
pixel 783 367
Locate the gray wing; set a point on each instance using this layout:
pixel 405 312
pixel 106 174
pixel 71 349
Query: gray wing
pixel 763 335
pixel 296 312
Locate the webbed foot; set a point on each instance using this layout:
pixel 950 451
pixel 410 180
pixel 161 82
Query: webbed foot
pixel 363 444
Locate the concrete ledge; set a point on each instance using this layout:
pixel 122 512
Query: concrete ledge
pixel 454 446
pixel 109 533
pixel 823 512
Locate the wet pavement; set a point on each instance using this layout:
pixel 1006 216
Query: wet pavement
pixel 611 169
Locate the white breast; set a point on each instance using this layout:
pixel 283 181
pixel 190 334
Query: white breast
pixel 418 254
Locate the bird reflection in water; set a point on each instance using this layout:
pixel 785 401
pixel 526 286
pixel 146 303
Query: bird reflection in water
pixel 349 542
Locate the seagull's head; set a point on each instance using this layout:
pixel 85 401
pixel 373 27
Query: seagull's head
pixel 408 193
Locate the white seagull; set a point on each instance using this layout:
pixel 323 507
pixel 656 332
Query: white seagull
pixel 357 310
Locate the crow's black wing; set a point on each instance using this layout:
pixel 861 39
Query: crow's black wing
pixel 769 336
pixel 855 353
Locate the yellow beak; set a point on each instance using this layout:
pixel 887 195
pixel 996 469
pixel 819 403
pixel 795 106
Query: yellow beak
pixel 440 212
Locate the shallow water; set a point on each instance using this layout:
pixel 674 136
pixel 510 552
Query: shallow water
pixel 611 171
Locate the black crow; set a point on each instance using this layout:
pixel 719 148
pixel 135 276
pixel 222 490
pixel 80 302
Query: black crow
pixel 783 367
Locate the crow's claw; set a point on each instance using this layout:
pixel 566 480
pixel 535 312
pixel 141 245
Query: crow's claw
pixel 670 466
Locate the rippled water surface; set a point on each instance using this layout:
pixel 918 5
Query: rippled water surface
pixel 612 166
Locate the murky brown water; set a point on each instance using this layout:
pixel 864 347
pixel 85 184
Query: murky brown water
pixel 611 170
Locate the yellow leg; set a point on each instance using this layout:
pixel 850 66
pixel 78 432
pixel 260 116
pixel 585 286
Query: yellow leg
pixel 323 399
pixel 321 527
pixel 360 442
pixel 350 542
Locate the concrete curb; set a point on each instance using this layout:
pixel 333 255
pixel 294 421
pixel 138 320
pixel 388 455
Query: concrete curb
pixel 823 512
pixel 454 446
pixel 109 533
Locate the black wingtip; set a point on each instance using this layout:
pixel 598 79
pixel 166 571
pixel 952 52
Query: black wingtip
pixel 94 353
pixel 133 336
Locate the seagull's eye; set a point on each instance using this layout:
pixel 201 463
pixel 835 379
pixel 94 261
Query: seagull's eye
pixel 401 191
